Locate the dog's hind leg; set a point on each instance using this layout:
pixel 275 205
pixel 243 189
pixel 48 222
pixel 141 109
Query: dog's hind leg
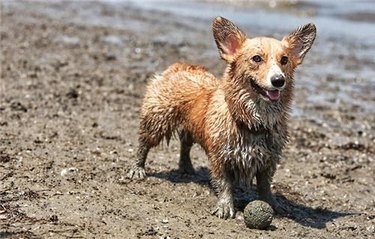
pixel 138 169
pixel 185 165
pixel 151 134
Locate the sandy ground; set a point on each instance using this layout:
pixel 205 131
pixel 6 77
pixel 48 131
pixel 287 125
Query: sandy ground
pixel 69 104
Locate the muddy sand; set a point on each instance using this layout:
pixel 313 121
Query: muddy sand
pixel 72 80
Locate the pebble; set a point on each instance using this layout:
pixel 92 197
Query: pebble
pixel 69 172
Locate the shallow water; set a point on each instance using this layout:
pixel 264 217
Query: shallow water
pixel 331 17
pixel 340 39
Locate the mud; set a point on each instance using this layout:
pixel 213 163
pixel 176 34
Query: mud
pixel 72 80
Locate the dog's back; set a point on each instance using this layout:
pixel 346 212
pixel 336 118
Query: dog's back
pixel 176 98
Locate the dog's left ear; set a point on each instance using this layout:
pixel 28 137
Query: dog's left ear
pixel 228 38
pixel 300 41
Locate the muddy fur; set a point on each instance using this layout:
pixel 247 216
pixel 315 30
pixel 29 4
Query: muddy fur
pixel 241 130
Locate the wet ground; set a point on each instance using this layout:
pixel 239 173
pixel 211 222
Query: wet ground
pixel 72 80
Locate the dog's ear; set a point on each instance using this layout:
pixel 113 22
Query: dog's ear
pixel 228 38
pixel 300 41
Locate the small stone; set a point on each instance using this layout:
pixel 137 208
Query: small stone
pixel 69 173
pixel 258 215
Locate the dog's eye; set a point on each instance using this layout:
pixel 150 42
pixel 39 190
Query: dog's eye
pixel 284 60
pixel 257 58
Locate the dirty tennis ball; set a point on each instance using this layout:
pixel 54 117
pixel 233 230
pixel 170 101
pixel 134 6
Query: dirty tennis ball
pixel 258 215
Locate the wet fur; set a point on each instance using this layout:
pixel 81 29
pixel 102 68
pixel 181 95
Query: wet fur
pixel 242 134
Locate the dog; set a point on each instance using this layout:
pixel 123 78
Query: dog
pixel 239 120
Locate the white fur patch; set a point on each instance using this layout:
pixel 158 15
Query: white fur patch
pixel 273 71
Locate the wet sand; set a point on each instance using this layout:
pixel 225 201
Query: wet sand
pixel 72 83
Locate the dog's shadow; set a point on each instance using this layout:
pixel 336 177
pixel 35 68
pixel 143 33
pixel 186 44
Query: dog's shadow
pixel 307 216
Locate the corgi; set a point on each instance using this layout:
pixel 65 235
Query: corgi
pixel 239 120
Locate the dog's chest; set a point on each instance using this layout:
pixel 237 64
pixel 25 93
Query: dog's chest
pixel 250 152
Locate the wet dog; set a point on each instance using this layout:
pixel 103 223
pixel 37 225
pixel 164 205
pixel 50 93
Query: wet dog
pixel 239 120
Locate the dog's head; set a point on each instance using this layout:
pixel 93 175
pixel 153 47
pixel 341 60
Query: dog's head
pixel 262 65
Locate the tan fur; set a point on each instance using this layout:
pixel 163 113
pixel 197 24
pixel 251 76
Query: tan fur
pixel 242 133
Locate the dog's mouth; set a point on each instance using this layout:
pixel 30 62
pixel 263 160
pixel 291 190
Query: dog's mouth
pixel 267 94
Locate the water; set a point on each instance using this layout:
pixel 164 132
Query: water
pixel 346 30
pixel 329 16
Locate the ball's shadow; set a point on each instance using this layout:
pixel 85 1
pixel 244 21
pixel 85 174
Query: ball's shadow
pixel 297 211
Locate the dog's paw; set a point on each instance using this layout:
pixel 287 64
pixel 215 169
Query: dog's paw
pixel 279 208
pixel 136 173
pixel 223 210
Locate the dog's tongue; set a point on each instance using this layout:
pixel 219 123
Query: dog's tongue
pixel 273 94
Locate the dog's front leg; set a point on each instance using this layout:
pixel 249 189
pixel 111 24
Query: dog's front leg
pixel 264 179
pixel 224 207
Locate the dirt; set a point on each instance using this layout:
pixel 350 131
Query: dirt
pixel 69 102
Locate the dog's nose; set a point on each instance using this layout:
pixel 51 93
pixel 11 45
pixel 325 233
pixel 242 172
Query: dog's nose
pixel 278 81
